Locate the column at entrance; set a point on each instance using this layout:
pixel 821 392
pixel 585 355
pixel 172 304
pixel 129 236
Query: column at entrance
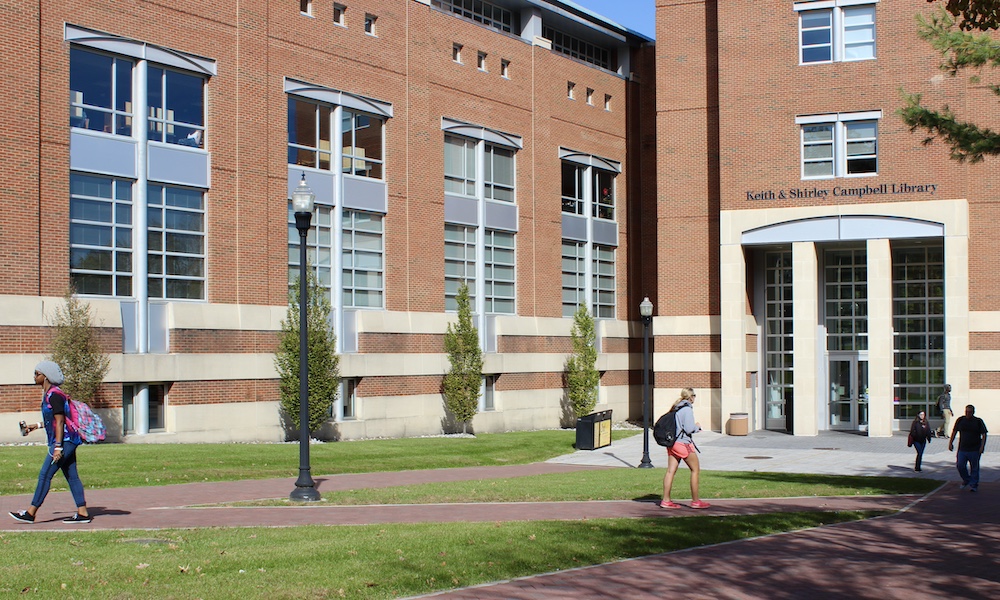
pixel 807 370
pixel 880 342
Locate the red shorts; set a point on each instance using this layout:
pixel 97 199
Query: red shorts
pixel 680 450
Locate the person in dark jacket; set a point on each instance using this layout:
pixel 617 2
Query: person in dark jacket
pixel 920 434
pixel 971 445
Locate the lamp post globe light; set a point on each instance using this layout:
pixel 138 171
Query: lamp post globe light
pixel 646 311
pixel 302 205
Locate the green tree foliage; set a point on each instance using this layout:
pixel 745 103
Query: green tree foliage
pixel 582 376
pixel 960 50
pixel 462 382
pixel 76 350
pixel 324 364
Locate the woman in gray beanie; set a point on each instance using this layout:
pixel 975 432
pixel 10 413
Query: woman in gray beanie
pixel 62 446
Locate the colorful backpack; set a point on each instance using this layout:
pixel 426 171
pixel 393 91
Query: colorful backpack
pixel 81 419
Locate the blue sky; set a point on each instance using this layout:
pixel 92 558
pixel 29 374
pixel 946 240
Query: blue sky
pixel 638 15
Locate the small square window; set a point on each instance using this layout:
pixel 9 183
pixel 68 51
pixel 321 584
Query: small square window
pixel 505 69
pixel 570 89
pixel 481 61
pixel 340 15
pixel 607 102
pixel 370 24
pixel 590 96
pixel 456 53
pixel 306 7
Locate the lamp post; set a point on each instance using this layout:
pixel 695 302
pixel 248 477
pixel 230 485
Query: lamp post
pixel 302 204
pixel 646 311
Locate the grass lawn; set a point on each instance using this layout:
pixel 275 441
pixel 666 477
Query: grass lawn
pixel 135 465
pixel 371 561
pixel 621 484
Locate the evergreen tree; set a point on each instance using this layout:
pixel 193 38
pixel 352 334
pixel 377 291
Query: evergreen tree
pixel 75 349
pixel 961 49
pixel 323 365
pixel 462 383
pixel 582 376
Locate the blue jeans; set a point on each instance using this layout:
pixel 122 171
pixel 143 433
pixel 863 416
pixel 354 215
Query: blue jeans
pixel 68 466
pixel 968 467
pixel 919 447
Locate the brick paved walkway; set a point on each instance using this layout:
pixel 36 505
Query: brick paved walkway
pixel 943 545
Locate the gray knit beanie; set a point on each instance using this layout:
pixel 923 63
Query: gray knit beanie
pixel 51 371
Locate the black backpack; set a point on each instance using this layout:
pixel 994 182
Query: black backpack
pixel 665 429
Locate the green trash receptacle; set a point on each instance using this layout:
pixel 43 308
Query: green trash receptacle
pixel 593 431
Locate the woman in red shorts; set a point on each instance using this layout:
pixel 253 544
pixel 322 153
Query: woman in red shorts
pixel 683 449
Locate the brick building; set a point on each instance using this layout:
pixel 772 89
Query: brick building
pixel 810 261
pixel 850 268
pixel 496 143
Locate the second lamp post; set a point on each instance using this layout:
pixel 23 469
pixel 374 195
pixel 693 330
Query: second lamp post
pixel 646 311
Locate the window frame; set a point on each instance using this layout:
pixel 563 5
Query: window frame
pixel 350 269
pixel 164 276
pixel 494 268
pixel 122 232
pixel 120 118
pixel 839 12
pixel 181 133
pixel 464 237
pixel 840 125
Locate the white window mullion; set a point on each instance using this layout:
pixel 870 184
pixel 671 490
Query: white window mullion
pixel 337 250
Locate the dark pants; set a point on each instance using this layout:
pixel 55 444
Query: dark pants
pixel 968 467
pixel 919 447
pixel 67 464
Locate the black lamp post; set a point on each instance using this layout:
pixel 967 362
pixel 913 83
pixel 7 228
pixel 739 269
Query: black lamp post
pixel 646 311
pixel 302 204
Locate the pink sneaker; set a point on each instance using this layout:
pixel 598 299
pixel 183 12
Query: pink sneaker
pixel 669 504
pixel 699 504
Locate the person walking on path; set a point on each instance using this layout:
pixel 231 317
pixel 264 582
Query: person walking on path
pixel 683 449
pixel 920 436
pixel 944 405
pixel 62 445
pixel 971 445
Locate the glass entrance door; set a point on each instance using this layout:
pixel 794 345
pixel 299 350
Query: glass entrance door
pixel 848 392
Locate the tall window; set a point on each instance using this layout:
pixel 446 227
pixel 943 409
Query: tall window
pixel 846 282
pixel 176 234
pixel 311 131
pixel 100 92
pixel 459 165
pixel 845 32
pixel 588 268
pixel 176 107
pixel 362 254
pixel 604 282
pixel 839 145
pixel 362 259
pixel 918 328
pixel 499 279
pixel 349 410
pixel 100 235
pixel 480 11
pixel 488 253
pixel 459 263
pixel 574 273
pixel 778 335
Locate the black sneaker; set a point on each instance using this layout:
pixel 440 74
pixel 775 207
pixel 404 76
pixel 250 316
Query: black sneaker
pixel 78 518
pixel 22 516
pixel 973 489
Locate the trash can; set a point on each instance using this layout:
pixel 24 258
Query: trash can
pixel 593 431
pixel 739 423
